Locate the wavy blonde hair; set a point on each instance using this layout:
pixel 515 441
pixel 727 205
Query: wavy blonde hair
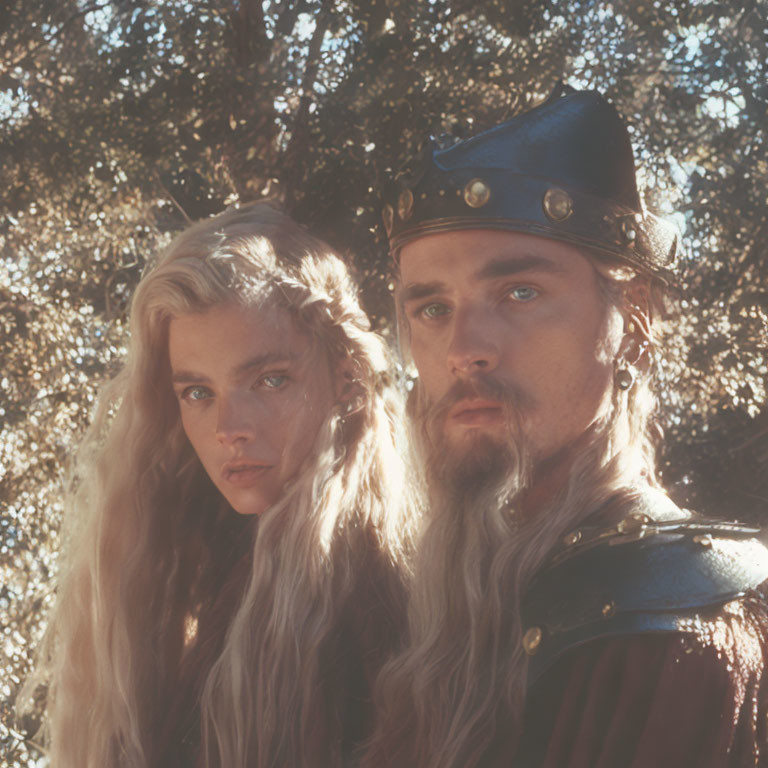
pixel 455 696
pixel 176 614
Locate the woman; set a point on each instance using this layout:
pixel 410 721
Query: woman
pixel 237 522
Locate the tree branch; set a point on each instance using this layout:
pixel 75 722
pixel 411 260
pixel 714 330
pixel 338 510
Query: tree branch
pixel 56 33
pixel 300 123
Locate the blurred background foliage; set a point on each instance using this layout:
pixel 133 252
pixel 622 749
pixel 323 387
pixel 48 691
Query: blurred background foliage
pixel 121 120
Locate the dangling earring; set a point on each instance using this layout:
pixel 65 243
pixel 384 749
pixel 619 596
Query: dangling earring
pixel 354 405
pixel 631 352
pixel 625 377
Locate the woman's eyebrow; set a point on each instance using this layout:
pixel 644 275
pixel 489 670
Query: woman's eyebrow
pixel 262 360
pixel 252 363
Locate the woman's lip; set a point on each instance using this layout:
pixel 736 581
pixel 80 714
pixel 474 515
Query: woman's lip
pixel 245 475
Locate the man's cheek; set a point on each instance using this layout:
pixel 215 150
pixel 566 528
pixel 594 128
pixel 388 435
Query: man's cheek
pixel 430 365
pixel 431 389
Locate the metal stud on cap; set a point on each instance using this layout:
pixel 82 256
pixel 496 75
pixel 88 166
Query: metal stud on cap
pixel 388 214
pixel 557 204
pixel 532 640
pixel 476 193
pixel 405 204
pixel 633 523
pixel 628 228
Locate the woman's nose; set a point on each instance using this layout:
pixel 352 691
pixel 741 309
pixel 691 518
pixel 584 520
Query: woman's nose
pixel 235 422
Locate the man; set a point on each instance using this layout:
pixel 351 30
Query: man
pixel 565 612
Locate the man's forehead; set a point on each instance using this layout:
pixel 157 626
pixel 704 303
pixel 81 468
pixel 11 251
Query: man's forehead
pixel 480 256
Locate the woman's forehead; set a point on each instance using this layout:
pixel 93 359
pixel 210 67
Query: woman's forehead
pixel 233 337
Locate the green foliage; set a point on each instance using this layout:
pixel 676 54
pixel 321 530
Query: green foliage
pixel 122 120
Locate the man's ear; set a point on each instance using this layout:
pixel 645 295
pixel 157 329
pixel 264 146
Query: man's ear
pixel 637 308
pixel 403 328
pixel 638 330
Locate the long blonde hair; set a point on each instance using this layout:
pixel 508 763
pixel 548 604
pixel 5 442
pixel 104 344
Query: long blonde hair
pixel 168 601
pixel 454 697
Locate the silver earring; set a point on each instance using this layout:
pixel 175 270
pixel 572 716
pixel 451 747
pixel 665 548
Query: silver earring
pixel 625 377
pixel 354 405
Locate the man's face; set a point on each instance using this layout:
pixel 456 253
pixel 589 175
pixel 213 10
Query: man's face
pixel 252 395
pixel 524 312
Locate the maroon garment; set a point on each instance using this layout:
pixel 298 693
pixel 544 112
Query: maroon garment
pixel 650 701
pixel 369 625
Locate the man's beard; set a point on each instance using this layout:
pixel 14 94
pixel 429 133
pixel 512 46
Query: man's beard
pixel 479 461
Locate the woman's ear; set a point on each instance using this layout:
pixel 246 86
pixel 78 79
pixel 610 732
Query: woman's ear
pixel 347 381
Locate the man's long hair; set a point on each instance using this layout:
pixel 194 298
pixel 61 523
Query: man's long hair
pixel 172 609
pixel 454 696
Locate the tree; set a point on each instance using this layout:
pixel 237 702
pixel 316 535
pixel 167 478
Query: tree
pixel 121 120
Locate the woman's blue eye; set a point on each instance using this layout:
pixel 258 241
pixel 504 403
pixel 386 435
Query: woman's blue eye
pixel 523 293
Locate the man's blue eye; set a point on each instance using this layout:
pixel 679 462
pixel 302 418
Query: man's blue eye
pixel 434 310
pixel 196 394
pixel 273 381
pixel 523 293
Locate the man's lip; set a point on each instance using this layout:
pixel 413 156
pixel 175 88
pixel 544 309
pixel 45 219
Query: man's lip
pixel 475 412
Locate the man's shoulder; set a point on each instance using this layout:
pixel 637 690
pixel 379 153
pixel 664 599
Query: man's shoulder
pixel 648 567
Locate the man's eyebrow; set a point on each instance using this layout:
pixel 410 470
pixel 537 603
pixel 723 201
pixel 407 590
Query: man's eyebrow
pixel 501 267
pixel 182 377
pixel 420 291
pixel 511 266
pixel 257 362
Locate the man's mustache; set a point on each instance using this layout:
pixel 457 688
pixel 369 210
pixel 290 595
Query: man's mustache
pixel 483 386
pixel 462 469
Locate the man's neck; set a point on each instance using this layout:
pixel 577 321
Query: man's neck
pixel 548 478
pixel 551 476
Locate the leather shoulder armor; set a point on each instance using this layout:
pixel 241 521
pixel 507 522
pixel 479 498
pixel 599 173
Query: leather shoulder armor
pixel 643 574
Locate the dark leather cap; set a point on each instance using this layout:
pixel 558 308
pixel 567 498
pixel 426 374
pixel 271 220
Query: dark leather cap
pixel 563 170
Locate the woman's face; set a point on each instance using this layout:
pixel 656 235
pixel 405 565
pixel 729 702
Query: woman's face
pixel 252 394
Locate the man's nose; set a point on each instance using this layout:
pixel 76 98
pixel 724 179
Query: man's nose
pixel 473 347
pixel 234 422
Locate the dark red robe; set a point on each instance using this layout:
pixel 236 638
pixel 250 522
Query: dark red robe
pixel 652 701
